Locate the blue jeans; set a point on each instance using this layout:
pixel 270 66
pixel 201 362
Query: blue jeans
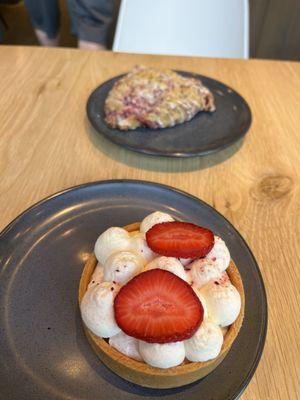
pixel 44 15
pixel 90 19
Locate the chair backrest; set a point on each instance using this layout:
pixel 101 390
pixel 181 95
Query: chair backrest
pixel 211 28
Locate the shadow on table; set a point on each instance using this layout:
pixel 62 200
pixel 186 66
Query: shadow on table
pixel 154 163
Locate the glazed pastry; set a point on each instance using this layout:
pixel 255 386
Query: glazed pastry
pixel 154 98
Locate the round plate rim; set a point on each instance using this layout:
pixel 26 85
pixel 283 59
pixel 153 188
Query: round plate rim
pixel 264 328
pixel 173 154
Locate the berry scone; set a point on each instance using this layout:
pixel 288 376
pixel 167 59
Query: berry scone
pixel 161 301
pixel 155 98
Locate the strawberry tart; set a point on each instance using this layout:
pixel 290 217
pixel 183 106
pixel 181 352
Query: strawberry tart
pixel 161 301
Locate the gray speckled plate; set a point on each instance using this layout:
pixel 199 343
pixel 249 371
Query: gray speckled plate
pixel 43 351
pixel 205 133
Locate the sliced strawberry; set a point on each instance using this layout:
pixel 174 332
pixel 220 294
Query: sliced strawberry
pixel 180 239
pixel 158 307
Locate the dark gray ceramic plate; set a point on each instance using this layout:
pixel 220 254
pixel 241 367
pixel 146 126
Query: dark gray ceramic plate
pixel 205 133
pixel 43 351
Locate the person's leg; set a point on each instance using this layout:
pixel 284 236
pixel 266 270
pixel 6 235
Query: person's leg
pixel 44 15
pixel 2 28
pixel 92 19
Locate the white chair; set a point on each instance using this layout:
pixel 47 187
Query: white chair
pixel 211 28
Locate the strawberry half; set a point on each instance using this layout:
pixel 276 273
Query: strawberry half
pixel 158 307
pixel 180 239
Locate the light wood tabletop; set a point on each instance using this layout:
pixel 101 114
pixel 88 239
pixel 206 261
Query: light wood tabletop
pixel 47 144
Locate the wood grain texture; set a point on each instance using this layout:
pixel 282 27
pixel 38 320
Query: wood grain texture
pixel 46 144
pixel 142 373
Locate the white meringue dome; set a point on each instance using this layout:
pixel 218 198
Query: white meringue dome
pixel 97 309
pixel 97 276
pixel 170 264
pixel 220 254
pixel 139 245
pixel 112 240
pixel 205 344
pixel 122 266
pixel 223 302
pixel 164 355
pixel 202 271
pixel 127 345
pixel 203 302
pixel 185 261
pixel 155 218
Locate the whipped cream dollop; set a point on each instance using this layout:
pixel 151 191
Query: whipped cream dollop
pixel 205 344
pixel 97 309
pixel 122 266
pixel 97 276
pixel 170 264
pixel 164 355
pixel 111 241
pixel 185 261
pixel 139 245
pixel 223 301
pixel 156 217
pixel 202 271
pixel 203 302
pixel 126 345
pixel 219 254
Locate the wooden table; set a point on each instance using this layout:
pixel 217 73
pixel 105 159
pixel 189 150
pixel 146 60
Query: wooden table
pixel 47 144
